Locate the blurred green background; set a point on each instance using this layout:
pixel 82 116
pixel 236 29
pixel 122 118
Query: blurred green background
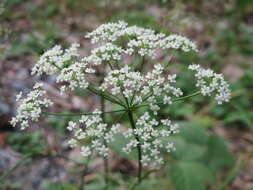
pixel 215 147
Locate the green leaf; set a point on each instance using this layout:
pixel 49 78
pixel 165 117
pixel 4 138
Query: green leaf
pixel 217 155
pixel 241 115
pixel 186 110
pixel 47 185
pixel 95 186
pixel 185 151
pixel 29 143
pixel 147 184
pixel 193 133
pixel 205 121
pixel 190 176
pixel 188 152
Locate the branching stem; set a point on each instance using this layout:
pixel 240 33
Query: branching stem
pixel 174 100
pixel 105 159
pixel 105 96
pixel 130 115
pixel 78 114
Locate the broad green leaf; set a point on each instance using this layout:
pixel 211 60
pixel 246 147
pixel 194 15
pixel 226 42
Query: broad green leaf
pixel 47 185
pixel 217 155
pixel 245 116
pixel 190 176
pixel 205 121
pixel 29 143
pixel 96 186
pixel 184 150
pixel 181 109
pixel 193 133
pixel 147 184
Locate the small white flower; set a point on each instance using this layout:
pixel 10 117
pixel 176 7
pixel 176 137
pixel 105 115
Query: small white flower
pixel 75 76
pixel 211 83
pixel 71 125
pixel 170 147
pixel 85 151
pixel 92 127
pixel 105 53
pixel 30 108
pixel 150 134
pixel 147 87
pixel 55 59
pixel 142 41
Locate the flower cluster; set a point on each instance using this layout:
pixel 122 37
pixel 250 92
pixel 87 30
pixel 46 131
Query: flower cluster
pixel 175 41
pixel 140 88
pixel 142 41
pixel 106 32
pixel 211 83
pixel 139 40
pixel 149 132
pixel 105 53
pixel 64 62
pixel 94 129
pixel 74 75
pixel 55 59
pixel 30 108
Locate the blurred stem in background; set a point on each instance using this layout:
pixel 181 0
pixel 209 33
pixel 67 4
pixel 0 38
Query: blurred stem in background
pixel 21 162
pixel 102 104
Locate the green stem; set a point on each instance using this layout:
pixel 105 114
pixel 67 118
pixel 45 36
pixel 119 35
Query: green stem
pixel 186 97
pixel 78 114
pixel 143 177
pixel 148 96
pixel 59 68
pixel 130 115
pixel 142 64
pixel 105 159
pixel 132 99
pixel 174 100
pixel 139 69
pixel 105 96
pixel 82 184
pixel 110 65
pixel 172 55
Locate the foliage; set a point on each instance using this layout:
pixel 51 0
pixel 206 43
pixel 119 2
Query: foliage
pixel 47 185
pixel 184 176
pixel 30 144
pixel 198 159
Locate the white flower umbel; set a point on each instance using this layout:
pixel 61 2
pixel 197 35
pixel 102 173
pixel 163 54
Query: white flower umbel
pixel 150 131
pixel 55 59
pixel 210 83
pixel 139 40
pixel 30 108
pixel 105 53
pixel 92 128
pixel 175 41
pixel 71 72
pixel 107 32
pixel 74 75
pixel 140 88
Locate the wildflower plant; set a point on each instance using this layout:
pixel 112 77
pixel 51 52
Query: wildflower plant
pixel 125 84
